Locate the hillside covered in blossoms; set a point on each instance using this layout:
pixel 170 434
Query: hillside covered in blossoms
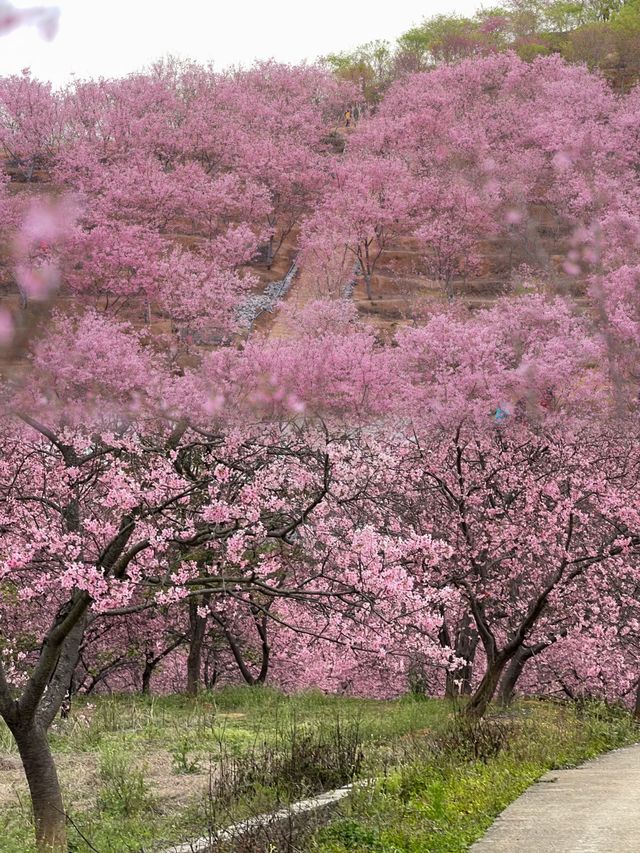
pixel 317 379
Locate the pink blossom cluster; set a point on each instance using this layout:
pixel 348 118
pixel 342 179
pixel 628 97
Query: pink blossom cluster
pixel 453 504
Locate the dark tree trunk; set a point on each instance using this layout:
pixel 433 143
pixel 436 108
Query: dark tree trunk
pixel 65 707
pixel 516 666
pixel 512 674
pixel 149 666
pixel 448 289
pixel 46 796
pixel 24 299
pixel 197 628
pixel 210 674
pixel 30 170
pixel 459 680
pixel 151 661
pixel 367 284
pixel 59 686
pixel 261 622
pixel 513 657
pixel 636 707
pixel 261 625
pixel 29 718
pixel 485 691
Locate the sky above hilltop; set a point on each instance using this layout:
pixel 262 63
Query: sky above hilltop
pixel 111 38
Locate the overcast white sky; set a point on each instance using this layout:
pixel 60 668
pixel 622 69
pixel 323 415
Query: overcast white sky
pixel 114 37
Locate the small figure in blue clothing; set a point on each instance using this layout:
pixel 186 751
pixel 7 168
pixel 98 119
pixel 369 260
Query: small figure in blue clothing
pixel 501 413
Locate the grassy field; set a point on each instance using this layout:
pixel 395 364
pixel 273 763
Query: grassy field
pixel 146 772
pixel 143 773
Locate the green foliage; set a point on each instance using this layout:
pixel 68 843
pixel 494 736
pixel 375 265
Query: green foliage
pixel 475 740
pixel 446 792
pixel 602 33
pixel 303 761
pixel 123 790
pixel 627 18
pixel 351 835
pixel 184 760
pixel 368 66
pixel 446 38
pixel 441 779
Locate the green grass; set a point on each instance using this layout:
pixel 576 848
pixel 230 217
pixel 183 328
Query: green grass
pixel 127 761
pixel 234 715
pixel 443 795
pixel 140 773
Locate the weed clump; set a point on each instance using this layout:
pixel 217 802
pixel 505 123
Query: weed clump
pixel 123 789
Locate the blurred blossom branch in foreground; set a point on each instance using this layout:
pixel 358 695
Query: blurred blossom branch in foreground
pixel 45 228
pixel 45 18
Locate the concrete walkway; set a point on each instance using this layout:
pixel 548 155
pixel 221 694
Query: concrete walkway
pixel 594 808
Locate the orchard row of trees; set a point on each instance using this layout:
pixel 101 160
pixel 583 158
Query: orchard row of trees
pixel 454 509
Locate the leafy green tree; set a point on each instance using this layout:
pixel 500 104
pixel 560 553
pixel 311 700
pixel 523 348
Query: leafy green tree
pixel 369 66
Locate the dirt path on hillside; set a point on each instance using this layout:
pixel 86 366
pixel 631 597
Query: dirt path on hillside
pixel 303 290
pixel 594 808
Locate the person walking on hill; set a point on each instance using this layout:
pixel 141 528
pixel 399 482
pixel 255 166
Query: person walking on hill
pixel 347 118
pixel 548 399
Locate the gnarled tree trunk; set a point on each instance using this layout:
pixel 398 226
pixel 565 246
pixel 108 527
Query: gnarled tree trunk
pixel 459 680
pixel 152 660
pixel 485 691
pixel 261 621
pixel 42 778
pixel 515 668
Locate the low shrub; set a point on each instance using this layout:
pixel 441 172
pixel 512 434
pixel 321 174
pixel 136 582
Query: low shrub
pixel 302 761
pixel 123 790
pixel 466 739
